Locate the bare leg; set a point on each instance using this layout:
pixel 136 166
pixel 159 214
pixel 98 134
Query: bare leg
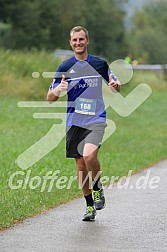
pixel 86 166
pixel 90 157
pixel 90 163
pixel 83 176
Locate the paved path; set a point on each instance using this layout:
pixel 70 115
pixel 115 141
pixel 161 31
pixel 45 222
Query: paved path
pixel 134 220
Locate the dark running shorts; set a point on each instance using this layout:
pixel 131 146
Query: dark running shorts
pixel 77 137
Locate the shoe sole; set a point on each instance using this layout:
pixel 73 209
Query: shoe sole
pixel 89 219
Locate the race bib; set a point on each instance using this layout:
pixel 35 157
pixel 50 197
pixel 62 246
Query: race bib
pixel 85 106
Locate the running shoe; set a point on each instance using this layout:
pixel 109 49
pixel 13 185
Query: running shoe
pixel 99 199
pixel 90 214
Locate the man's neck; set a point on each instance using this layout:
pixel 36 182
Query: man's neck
pixel 80 57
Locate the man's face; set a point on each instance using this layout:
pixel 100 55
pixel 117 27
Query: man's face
pixel 79 42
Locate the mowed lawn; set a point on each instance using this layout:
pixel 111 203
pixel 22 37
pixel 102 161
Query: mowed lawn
pixel 138 142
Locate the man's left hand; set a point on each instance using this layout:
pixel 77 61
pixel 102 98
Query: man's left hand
pixel 114 85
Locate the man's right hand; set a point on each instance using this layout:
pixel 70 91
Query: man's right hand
pixel 62 87
pixel 63 84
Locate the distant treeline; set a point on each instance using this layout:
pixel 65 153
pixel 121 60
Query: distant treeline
pixel 43 24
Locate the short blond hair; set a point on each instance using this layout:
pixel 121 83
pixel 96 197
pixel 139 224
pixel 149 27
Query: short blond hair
pixel 80 28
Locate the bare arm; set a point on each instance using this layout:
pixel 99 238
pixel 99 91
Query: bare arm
pixel 54 94
pixel 51 96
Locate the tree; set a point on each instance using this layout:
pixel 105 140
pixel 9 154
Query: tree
pixel 46 24
pixel 23 16
pixel 148 37
pixel 104 21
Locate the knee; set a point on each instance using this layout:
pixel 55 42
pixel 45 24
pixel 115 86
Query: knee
pixel 90 159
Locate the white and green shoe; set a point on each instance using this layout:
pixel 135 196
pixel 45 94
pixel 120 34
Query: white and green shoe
pixel 99 199
pixel 90 214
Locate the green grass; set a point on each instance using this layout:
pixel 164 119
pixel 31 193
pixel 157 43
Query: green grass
pixel 138 142
pixel 16 70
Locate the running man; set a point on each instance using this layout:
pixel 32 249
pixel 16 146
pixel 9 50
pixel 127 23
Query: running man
pixel 81 76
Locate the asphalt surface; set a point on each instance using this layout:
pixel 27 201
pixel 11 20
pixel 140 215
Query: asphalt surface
pixel 134 220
